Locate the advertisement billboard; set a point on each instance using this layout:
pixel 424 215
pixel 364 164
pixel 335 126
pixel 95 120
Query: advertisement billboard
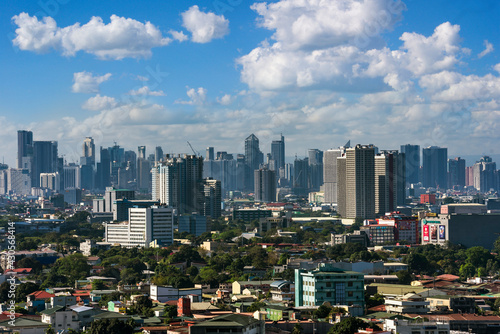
pixel 433 229
pixel 426 232
pixel 442 234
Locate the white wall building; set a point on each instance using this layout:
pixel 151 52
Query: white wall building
pixel 144 226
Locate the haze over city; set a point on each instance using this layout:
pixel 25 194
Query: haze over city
pixel 212 72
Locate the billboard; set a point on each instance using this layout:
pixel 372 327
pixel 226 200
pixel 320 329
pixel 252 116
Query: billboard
pixel 426 232
pixel 442 234
pixel 433 232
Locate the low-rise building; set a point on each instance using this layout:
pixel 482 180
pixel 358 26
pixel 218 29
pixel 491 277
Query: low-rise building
pixel 409 303
pixel 282 291
pixel 229 323
pixel 167 293
pixel 416 327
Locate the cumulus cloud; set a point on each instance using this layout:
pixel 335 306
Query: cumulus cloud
pixel 196 96
pixel 488 47
pixel 179 35
pixel 204 27
pixel 300 24
pixel 225 100
pixel 99 102
pixel 146 91
pixel 120 38
pixel 85 82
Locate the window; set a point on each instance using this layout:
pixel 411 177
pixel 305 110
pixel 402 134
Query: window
pixel 349 293
pixel 349 283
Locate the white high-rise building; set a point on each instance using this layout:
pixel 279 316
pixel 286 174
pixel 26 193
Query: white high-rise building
pixel 50 181
pixel 144 226
pixel 330 174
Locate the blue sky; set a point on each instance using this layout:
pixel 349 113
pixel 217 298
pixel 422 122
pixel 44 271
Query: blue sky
pixel 212 72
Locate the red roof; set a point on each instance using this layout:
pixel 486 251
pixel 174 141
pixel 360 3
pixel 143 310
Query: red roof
pixel 448 277
pixel 378 308
pixel 19 270
pixel 41 294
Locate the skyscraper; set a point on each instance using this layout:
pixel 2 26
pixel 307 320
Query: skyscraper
pixel 265 185
pixel 278 153
pixel 389 181
pixel 412 162
pixel 141 152
pixel 45 160
pixel 315 169
pixel 253 159
pixel 456 172
pixel 356 182
pixel 301 176
pixel 24 149
pixel 330 174
pixel 210 154
pixel 484 174
pixel 158 153
pixel 178 182
pixel 103 174
pixel 213 198
pixel 88 152
pixel 435 167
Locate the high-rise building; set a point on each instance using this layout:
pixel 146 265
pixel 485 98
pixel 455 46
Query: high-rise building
pixel 71 176
pixel 103 173
pixel 265 185
pixel 18 181
pixel 301 176
pixel 456 172
pixel 177 182
pixel 50 181
pixel 390 181
pixel 146 227
pixel 192 224
pixel 213 198
pixel 356 182
pixel 484 174
pixel 253 159
pixel 315 169
pixel 278 153
pixel 45 160
pixel 24 149
pixel 144 175
pixel 435 171
pixel 412 162
pixel 88 154
pixel 158 153
pixel 330 174
pixel 141 152
pixel 210 154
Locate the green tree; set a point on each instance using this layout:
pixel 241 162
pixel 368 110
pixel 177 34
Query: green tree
pixel 25 289
pixel 404 277
pixel 110 327
pixel 347 326
pixel 256 306
pixel 297 329
pixel 467 270
pixel 323 311
pixel 29 262
pixel 417 262
pixel 98 284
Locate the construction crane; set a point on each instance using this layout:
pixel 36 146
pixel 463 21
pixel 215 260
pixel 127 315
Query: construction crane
pixel 195 153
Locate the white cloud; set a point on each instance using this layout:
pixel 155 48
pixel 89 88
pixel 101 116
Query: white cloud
pixel 179 35
pixel 488 47
pixel 146 91
pixel 204 27
pixel 120 38
pixel 99 102
pixel 312 24
pixel 225 100
pixel 85 82
pixel 497 67
pixel 196 96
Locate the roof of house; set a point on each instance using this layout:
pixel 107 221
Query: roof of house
pixel 23 322
pixel 41 294
pixel 228 320
pixel 53 310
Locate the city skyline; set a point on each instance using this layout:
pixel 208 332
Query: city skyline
pixel 212 73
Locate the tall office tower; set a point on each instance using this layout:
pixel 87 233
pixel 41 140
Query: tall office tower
pixel 146 227
pixel 330 174
pixel 456 172
pixel 18 181
pixel 141 152
pixel 213 198
pixel 45 160
pixel 435 167
pixel 469 176
pixel 484 174
pixel 253 159
pixel 50 181
pixel 24 149
pixel 412 157
pixel 390 181
pixel 88 156
pixel 143 175
pixel 103 174
pixel 71 176
pixel 265 185
pixel 210 153
pixel 301 176
pixel 158 153
pixel 224 169
pixel 178 182
pixel 278 153
pixel 117 158
pixel 356 182
pixel 315 169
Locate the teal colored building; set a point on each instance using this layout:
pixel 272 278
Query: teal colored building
pixel 329 284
